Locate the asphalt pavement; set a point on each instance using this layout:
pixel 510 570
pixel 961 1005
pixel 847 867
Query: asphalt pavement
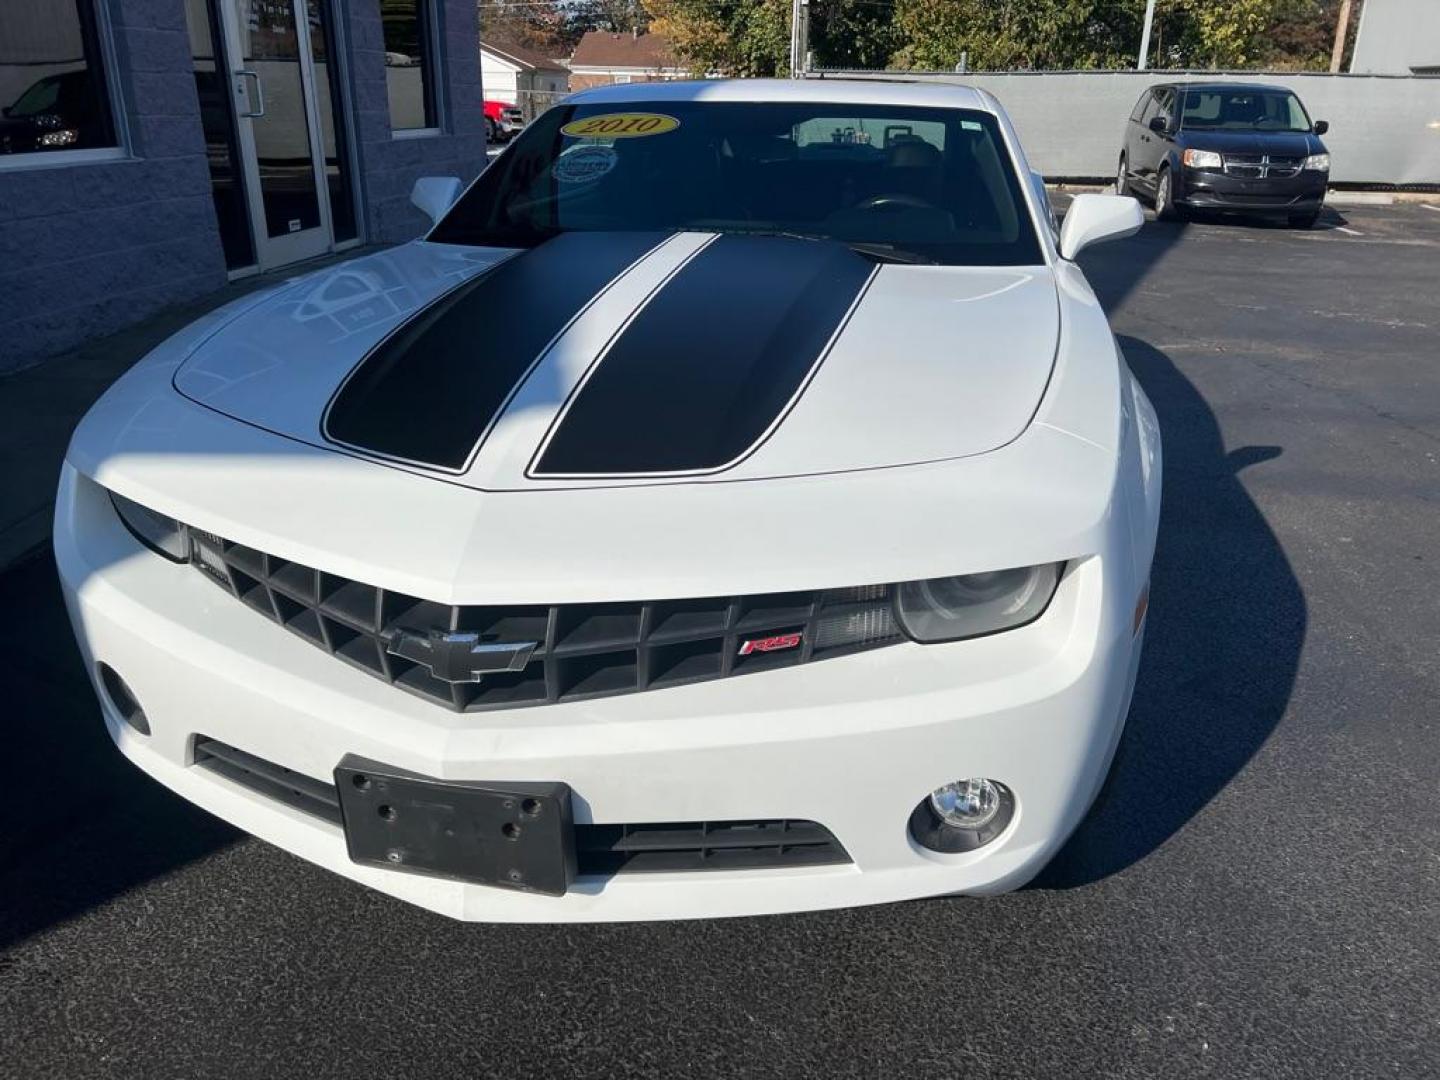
pixel 1257 893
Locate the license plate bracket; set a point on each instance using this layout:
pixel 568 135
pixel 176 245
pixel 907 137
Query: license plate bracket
pixel 512 835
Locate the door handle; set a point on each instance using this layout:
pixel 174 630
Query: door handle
pixel 257 112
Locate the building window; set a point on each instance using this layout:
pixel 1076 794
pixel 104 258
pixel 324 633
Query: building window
pixel 410 63
pixel 53 90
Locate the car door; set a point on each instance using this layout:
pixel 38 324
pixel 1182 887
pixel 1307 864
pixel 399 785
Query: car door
pixel 1131 139
pixel 1153 145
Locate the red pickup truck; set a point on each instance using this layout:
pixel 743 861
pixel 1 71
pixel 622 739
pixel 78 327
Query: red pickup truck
pixel 503 121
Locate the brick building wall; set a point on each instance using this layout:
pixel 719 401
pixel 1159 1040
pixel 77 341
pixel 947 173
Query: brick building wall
pixel 389 166
pixel 89 247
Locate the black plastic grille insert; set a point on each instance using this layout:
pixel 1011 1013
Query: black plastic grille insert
pixel 600 850
pixel 583 650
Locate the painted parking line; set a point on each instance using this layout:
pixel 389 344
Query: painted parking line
pixel 1347 232
pixel 1427 206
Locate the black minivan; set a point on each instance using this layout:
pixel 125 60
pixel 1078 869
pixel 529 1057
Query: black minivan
pixel 1231 146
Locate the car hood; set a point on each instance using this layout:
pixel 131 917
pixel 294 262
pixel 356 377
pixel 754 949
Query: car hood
pixel 600 359
pixel 1286 143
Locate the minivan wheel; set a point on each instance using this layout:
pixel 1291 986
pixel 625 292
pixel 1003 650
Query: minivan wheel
pixel 1165 208
pixel 1122 180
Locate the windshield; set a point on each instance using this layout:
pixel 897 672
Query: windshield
pixel 1243 110
pixel 896 183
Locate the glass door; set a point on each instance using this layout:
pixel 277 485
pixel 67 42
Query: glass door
pixel 282 144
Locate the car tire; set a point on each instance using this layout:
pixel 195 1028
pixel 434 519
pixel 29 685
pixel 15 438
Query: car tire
pixel 1122 178
pixel 1165 208
pixel 492 134
pixel 1304 221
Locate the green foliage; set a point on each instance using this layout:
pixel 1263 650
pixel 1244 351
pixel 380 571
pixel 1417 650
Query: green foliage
pixel 751 37
pixel 1017 34
pixel 725 37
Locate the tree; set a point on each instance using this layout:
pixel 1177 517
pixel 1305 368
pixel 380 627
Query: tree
pixel 1017 34
pixel 751 37
pixel 612 16
pixel 852 33
pixel 748 38
pixel 541 25
pixel 1229 35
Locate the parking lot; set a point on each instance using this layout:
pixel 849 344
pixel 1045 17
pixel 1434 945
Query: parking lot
pixel 1254 895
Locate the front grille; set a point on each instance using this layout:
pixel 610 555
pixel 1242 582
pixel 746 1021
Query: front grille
pixel 1262 166
pixel 600 850
pixel 582 651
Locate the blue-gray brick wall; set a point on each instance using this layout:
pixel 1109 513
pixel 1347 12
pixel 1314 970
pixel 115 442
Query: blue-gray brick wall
pixel 390 166
pixel 86 249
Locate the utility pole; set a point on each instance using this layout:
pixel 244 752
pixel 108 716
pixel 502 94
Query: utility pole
pixel 799 37
pixel 1142 61
pixel 1342 28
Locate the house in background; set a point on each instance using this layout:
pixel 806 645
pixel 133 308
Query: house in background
pixel 521 76
pixel 602 58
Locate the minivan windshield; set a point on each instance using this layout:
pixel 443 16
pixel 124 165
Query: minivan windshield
pixel 1223 109
pixel 896 183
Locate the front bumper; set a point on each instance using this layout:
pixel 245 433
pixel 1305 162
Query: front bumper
pixel 1206 189
pixel 852 743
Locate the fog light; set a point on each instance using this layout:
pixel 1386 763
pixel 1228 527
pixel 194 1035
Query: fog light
pixel 122 700
pixel 966 804
pixel 962 815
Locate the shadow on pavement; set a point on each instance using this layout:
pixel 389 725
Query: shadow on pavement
pixel 1226 625
pixel 84 825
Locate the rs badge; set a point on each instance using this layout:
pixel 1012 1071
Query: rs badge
pixel 778 643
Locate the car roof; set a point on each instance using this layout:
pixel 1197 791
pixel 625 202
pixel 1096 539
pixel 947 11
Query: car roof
pixel 839 91
pixel 1247 87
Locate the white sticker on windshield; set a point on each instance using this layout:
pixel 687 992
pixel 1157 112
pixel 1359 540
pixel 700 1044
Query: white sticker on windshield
pixel 584 164
pixel 971 125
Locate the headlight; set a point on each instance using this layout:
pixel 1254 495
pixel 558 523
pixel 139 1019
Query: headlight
pixel 162 535
pixel 1318 162
pixel 947 609
pixel 1202 159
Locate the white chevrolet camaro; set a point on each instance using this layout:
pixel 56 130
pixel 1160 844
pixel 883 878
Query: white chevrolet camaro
pixel 736 503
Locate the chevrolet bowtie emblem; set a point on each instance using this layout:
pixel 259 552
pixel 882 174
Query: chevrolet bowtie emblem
pixel 459 658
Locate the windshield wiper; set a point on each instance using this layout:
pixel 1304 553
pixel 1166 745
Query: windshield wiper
pixel 879 252
pixel 889 253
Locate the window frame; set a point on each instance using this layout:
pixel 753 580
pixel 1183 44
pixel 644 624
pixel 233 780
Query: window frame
pixel 1165 100
pixel 431 42
pixel 114 101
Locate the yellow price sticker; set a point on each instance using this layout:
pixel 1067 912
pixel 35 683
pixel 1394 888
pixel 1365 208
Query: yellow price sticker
pixel 628 125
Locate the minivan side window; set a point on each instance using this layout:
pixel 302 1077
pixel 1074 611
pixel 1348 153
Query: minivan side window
pixel 1165 106
pixel 1152 107
pixel 1139 107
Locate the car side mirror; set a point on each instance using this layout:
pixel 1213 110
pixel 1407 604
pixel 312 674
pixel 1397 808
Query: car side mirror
pixel 1321 126
pixel 433 195
pixel 1157 123
pixel 1092 219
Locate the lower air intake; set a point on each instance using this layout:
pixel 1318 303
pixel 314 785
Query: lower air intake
pixel 601 850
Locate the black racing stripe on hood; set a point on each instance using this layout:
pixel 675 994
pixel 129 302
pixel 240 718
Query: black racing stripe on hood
pixel 430 391
pixel 711 362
